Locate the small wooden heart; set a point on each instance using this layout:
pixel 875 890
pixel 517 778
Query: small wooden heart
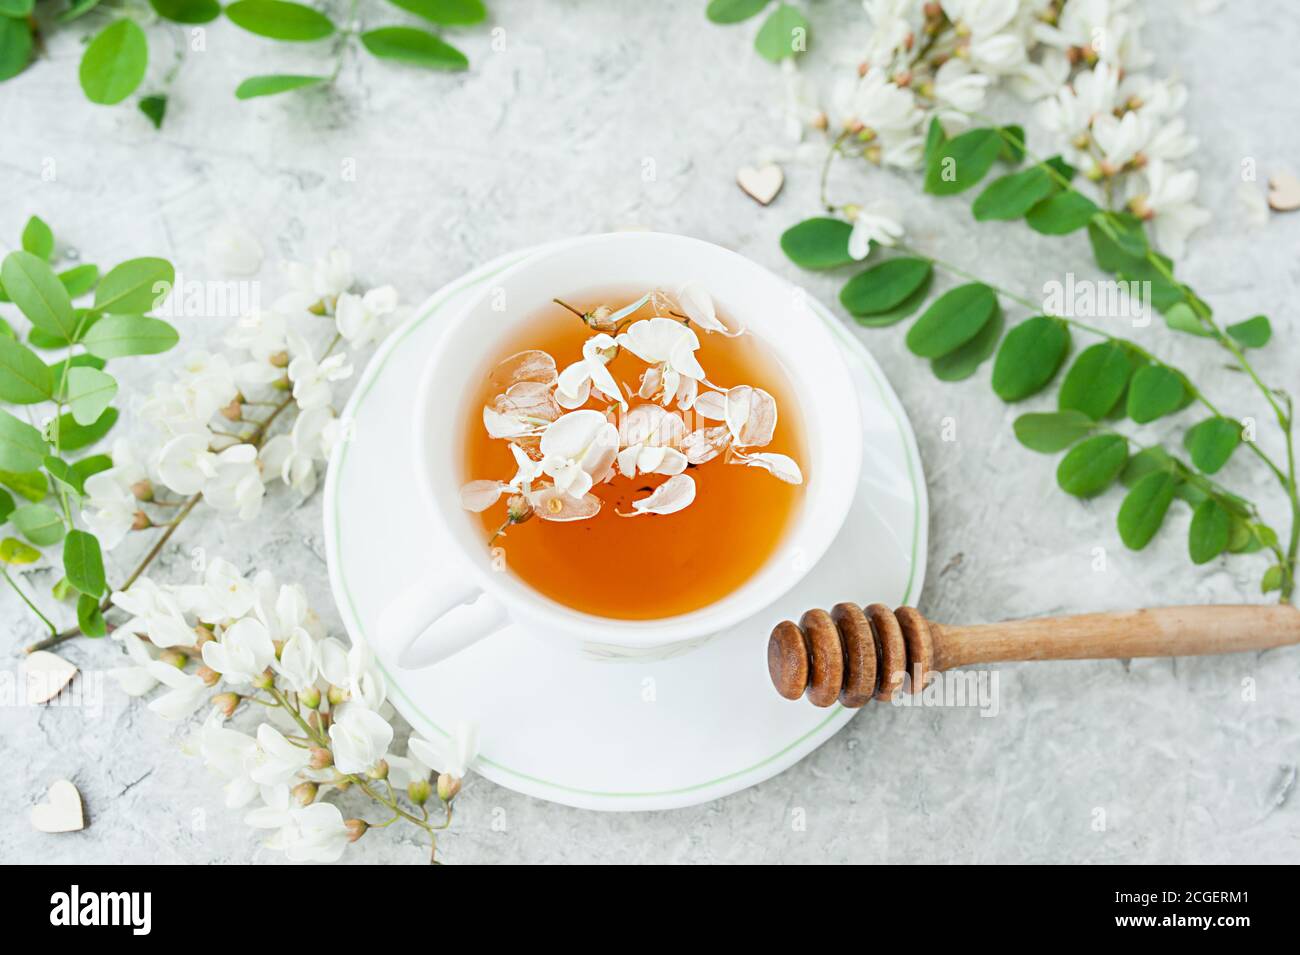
pixel 45 674
pixel 761 184
pixel 62 813
pixel 1284 192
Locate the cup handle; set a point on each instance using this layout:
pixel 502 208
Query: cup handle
pixel 431 620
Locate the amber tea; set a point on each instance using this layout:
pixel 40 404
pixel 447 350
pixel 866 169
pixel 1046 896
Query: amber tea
pixel 634 455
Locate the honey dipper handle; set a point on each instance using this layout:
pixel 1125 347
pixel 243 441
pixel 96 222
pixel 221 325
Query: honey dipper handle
pixel 1163 632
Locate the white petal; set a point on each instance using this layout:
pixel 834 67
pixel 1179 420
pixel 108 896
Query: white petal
pixel 711 405
pixel 532 365
pixel 697 305
pixel 550 504
pixel 778 465
pixel 478 496
pixel 570 435
pixel 673 495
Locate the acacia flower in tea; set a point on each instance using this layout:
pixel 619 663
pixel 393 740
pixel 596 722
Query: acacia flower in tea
pixel 573 430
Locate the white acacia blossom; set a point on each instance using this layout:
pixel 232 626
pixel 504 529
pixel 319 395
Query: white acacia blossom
pixel 1080 63
pixel 329 729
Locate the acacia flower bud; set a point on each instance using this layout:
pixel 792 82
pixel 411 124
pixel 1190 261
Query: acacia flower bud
pixel 318 308
pixel 379 770
pixel 202 634
pixel 265 680
pixel 518 509
pixel 304 794
pixel 448 787
pixel 226 703
pixel 320 758
pixel 142 490
pixel 864 68
pixel 280 359
pixel 419 791
pixel 310 697
pixel 174 657
pixel 209 676
pixel 233 411
pixel 282 384
pixel 336 695
pixel 278 647
pixel 820 120
pixel 141 521
pixel 356 828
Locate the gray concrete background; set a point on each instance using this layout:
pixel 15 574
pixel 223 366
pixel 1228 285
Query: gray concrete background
pixel 546 139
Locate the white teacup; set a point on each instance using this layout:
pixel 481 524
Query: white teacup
pixel 460 598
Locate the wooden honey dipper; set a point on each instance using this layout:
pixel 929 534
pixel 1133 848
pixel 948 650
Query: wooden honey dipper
pixel 852 654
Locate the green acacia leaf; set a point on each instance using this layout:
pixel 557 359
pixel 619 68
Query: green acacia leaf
pixel 90 464
pixel 1061 214
pixel 61 471
pixel 1096 380
pixel 274 84
pixel 30 484
pixel 1052 431
pixel 6 505
pixel 89 617
pixel 59 372
pixel 884 286
pixel 79 279
pixel 414 47
pixel 187 11
pixel 280 20
pixel 1253 332
pixel 445 12
pixel 902 310
pixel 83 563
pixel 16 8
pixel 962 363
pixel 90 391
pixel 135 286
pixel 1013 195
pixel 1013 144
pixel 77 8
pixel 38 293
pixel 1145 506
pixel 733 11
pixel 1155 392
pixel 952 320
pixel 935 138
pixel 15 553
pixel 115 336
pixel 819 243
pixel 21 446
pixel 24 378
pixel 39 523
pixel 1272 579
pixel 38 239
pixel 15 46
pixel 1211 443
pixel 154 109
pixel 114 63
pixel 1030 357
pixel 1092 465
pixel 73 437
pixel 1126 249
pixel 784 33
pixel 1181 318
pixel 962 162
pixel 1208 536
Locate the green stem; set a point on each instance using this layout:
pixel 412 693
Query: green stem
pixel 21 593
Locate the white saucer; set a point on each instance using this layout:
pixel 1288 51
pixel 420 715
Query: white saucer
pixel 606 735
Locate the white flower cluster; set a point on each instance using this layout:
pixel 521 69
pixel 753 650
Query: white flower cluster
pixel 1076 59
pixel 563 448
pixel 254 639
pixel 210 421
